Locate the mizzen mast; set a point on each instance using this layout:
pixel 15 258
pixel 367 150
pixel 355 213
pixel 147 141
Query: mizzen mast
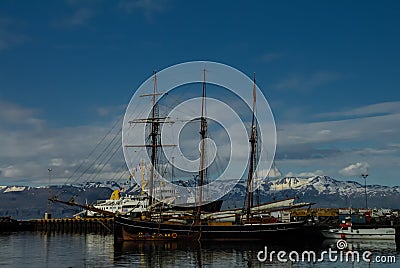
pixel 203 135
pixel 253 141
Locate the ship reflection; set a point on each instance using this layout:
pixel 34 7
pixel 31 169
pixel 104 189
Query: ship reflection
pixel 359 244
pixel 195 254
pixel 157 253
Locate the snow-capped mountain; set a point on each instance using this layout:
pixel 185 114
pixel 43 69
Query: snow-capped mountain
pixel 7 189
pixel 24 202
pixel 325 191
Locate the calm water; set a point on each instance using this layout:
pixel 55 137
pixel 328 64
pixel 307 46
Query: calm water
pixel 32 249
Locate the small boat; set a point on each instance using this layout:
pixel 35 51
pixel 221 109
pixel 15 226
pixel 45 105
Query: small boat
pixel 347 230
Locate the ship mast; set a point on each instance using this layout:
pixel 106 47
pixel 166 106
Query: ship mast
pixel 155 122
pixel 253 141
pixel 154 135
pixel 203 135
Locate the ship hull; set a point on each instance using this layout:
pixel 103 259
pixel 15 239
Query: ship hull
pixel 135 230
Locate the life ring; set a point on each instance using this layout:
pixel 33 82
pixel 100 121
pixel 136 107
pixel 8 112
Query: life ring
pixel 174 235
pixel 140 234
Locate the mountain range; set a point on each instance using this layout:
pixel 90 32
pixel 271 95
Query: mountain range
pixel 24 202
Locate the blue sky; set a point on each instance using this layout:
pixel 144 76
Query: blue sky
pixel 330 71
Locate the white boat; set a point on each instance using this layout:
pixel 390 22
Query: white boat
pixel 346 231
pixel 128 204
pixel 132 204
pixel 119 204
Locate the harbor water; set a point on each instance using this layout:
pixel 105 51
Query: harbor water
pixel 36 249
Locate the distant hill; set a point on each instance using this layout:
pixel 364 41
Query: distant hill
pixel 323 190
pixel 22 202
pixel 32 202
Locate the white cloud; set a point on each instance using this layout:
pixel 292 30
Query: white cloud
pixel 11 171
pixel 305 174
pixel 382 108
pixel 8 37
pixel 28 150
pixel 81 16
pixel 370 135
pixel 271 56
pixel 273 172
pixel 376 128
pixel 148 7
pixel 56 162
pixel 355 169
pixel 110 110
pixel 12 113
pixel 306 82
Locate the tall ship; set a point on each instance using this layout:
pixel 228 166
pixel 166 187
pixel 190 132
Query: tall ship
pixel 250 222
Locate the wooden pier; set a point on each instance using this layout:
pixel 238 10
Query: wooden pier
pixel 75 225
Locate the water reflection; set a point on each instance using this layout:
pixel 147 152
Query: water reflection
pixel 32 249
pixel 195 254
pixel 227 254
pixel 358 244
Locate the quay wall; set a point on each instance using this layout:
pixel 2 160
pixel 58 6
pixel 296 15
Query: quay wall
pixel 75 225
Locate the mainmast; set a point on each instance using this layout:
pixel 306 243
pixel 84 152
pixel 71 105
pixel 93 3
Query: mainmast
pixel 253 141
pixel 154 135
pixel 203 135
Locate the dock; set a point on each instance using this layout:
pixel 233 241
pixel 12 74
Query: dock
pixel 65 225
pixel 75 225
pixel 315 219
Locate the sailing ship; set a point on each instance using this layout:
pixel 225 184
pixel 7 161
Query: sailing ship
pixel 248 223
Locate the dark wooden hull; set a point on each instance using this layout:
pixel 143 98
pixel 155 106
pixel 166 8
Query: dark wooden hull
pixel 136 230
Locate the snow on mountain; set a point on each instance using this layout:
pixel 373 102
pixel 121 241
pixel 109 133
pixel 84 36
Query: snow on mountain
pixel 9 189
pixel 105 184
pixel 323 190
pixel 31 202
pixel 327 185
pixel 322 184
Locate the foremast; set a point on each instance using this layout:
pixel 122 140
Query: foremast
pixel 155 120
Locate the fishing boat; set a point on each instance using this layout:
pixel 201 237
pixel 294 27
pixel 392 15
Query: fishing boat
pixel 347 231
pixel 247 223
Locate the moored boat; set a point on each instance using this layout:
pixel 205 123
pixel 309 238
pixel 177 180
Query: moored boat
pixel 248 223
pixel 126 229
pixel 366 232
